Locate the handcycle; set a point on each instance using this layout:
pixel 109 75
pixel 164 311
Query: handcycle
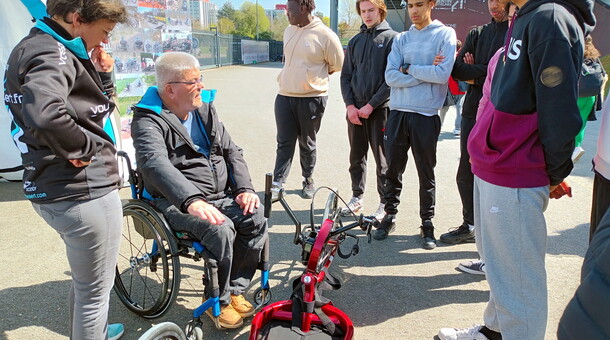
pixel 148 269
pixel 308 312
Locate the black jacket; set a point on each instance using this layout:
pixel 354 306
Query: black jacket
pixel 482 42
pixel 169 161
pixel 535 80
pixel 61 111
pixel 362 76
pixel 586 315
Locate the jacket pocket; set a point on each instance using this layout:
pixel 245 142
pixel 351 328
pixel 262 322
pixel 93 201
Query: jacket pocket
pixel 510 141
pixel 301 80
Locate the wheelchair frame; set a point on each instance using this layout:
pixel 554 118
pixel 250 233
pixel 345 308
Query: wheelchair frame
pixel 152 262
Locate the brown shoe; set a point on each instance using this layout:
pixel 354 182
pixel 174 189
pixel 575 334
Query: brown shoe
pixel 242 306
pixel 228 318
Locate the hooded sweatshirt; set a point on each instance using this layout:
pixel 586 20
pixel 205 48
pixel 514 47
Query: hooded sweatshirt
pixel 362 76
pixel 61 107
pixel 311 52
pixel 424 88
pixel 524 136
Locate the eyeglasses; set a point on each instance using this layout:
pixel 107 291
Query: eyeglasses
pixel 198 81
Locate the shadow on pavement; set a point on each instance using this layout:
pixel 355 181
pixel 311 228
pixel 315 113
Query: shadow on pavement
pixel 578 238
pixel 378 297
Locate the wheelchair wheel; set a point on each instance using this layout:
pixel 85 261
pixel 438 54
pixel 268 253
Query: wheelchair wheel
pixel 330 209
pixel 164 331
pixel 148 269
pixel 262 296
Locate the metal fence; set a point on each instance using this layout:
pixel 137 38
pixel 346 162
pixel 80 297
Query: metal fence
pixel 216 50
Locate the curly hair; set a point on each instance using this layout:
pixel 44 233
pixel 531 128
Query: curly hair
pixel 89 10
pixel 309 5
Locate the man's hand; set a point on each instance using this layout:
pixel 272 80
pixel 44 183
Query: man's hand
pixel 206 211
pixel 438 59
pixel 78 163
pixel 353 115
pixel 102 61
pixel 248 202
pixel 468 58
pixel 366 111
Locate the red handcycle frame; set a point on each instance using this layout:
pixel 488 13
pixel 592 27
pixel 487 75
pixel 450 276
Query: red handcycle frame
pixel 320 257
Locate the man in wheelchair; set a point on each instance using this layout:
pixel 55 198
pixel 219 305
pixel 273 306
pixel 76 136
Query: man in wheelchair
pixel 199 179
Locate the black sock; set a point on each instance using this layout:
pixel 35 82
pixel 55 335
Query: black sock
pixel 491 335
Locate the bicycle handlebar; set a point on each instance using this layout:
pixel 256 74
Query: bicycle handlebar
pixel 361 222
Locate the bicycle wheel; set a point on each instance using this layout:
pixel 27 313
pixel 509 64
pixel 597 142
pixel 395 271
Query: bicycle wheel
pixel 164 331
pixel 147 274
pixel 330 209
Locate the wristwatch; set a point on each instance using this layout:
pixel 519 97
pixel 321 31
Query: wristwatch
pixel 405 67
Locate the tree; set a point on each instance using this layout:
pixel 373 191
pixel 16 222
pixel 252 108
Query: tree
pixel 246 20
pixel 325 20
pixel 349 14
pixel 267 35
pixel 226 11
pixel 278 26
pixel 226 26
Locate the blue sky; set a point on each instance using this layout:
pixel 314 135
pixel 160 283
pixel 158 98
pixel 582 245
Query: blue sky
pixel 321 5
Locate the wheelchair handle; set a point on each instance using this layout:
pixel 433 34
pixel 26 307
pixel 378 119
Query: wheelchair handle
pixel 131 172
pixel 268 182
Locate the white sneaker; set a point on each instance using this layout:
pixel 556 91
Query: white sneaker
pixel 578 152
pixel 379 214
pixel 476 267
pixel 276 188
pixel 456 132
pixel 471 333
pixel 355 205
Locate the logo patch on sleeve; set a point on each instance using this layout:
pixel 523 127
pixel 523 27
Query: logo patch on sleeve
pixel 551 76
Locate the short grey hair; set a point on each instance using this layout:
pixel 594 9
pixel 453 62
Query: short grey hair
pixel 171 66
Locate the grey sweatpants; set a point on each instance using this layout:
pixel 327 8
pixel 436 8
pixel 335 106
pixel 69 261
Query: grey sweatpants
pixel 91 231
pixel 511 237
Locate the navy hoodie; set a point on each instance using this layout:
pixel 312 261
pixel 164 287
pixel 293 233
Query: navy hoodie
pixel 524 136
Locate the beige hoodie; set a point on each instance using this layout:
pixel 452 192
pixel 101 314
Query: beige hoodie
pixel 310 53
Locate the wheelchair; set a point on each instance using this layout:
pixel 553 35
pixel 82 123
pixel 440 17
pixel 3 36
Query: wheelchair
pixel 148 269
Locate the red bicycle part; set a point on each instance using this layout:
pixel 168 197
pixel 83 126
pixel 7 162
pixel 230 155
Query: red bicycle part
pixel 282 311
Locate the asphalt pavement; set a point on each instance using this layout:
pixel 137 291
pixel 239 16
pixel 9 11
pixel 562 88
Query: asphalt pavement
pixel 392 289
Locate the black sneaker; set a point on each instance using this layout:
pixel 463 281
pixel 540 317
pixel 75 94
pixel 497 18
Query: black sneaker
pixel 309 188
pixel 457 235
pixel 385 227
pixel 427 235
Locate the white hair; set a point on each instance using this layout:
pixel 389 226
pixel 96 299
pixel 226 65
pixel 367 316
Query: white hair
pixel 171 66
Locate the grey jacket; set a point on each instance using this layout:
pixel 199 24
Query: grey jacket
pixel 424 88
pixel 171 164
